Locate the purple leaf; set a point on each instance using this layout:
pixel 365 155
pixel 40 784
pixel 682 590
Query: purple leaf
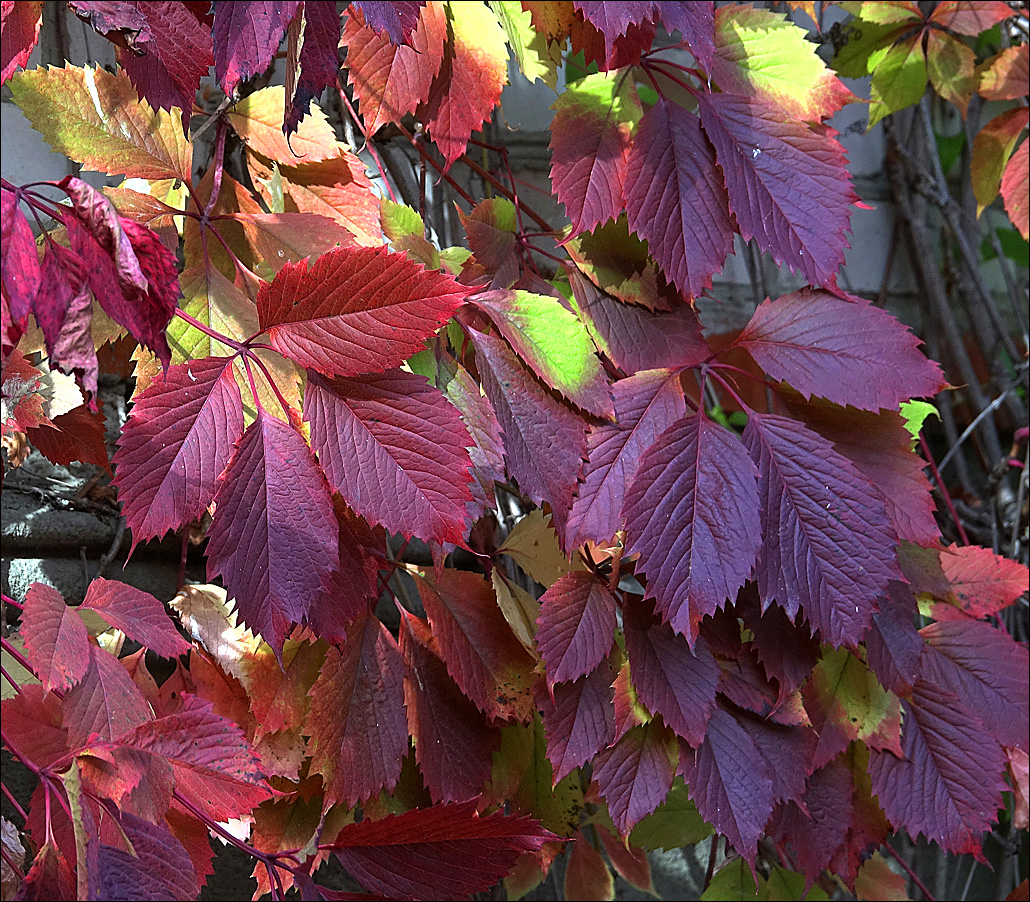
pixel 246 37
pixel 160 867
pixel 788 752
pixel 576 626
pixel 894 647
pixel 615 19
pixel 398 19
pixel 695 21
pixel 317 64
pixel 636 773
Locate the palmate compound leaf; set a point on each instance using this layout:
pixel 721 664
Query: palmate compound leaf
pixel 948 785
pixel 676 199
pixel 692 513
pixel 590 136
pixel 782 176
pixel 356 310
pixel 246 37
pixel 576 626
pixel 274 534
pixel 56 640
pixel 848 352
pixel 646 404
pixel 396 449
pixel 176 444
pixel 359 735
pixel 444 852
pixel 829 547
pixel 136 613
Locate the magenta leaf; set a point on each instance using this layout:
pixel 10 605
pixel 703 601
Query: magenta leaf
pixel 160 867
pixel 646 404
pixel 576 626
pixel 829 547
pixel 948 786
pixel 636 773
pixel 317 63
pixel 695 21
pixel 675 197
pixel 986 669
pixel 782 176
pixel 396 449
pixel 670 678
pixel 176 444
pixel 106 701
pixel 398 19
pixel 848 352
pixel 246 37
pixel 787 651
pixel 20 29
pixel 894 648
pixel 358 731
pixel 730 783
pixel 56 640
pixel 274 534
pixel 692 514
pixel 444 852
pixel 579 719
pixel 137 614
pixel 788 752
pixel 356 310
pixel 20 263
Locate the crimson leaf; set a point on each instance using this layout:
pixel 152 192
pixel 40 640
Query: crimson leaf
pixel 106 701
pixel 576 626
pixel 20 262
pixel 20 29
pixel 615 19
pixel 397 19
pixel 695 21
pixel 246 37
pixel 137 614
pixel 56 641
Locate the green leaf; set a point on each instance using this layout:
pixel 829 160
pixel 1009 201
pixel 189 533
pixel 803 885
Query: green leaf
pixel 1013 246
pixel 732 882
pixel 535 58
pixel 899 80
pixel 915 414
pixel 788 886
pixel 674 824
pixel 400 220
pixel 865 46
pixel 949 149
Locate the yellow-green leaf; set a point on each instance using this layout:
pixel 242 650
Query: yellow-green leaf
pixel 899 80
pixel 536 58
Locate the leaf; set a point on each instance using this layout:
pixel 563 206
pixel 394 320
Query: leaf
pixel 274 534
pixel 986 669
pixel 390 79
pixel 78 435
pixel 33 720
pixel 537 57
pixel 106 701
pixel 579 719
pixel 876 880
pixel 157 868
pixel 395 448
pixel 576 626
pixel 278 689
pixel 948 785
pixel 257 119
pixel 137 614
pixel 675 198
pixel 471 76
pixel 21 270
pixel 761 53
pixel 692 514
pixel 828 544
pixel 176 444
pixel 56 641
pixel 205 614
pixel 443 852
pixel 246 37
pixel 590 137
pixel 356 310
pixel 950 65
pixel 482 654
pixel 95 118
pixel 635 774
pixel 614 20
pixel 50 877
pixel 397 19
pixel 312 64
pixel 899 79
pixel 730 784
pixel 671 678
pixel 1006 75
pixel 453 740
pixel 673 825
pixel 20 31
pixel 846 702
pixel 491 228
pixel 358 731
pixel 544 441
pixel 735 880
pixel 785 649
pixel 847 352
pixel 1014 185
pixel 992 151
pixel 780 174
pixel 695 23
pixel 893 646
pixel 786 750
pixel 970 18
pixel 983 583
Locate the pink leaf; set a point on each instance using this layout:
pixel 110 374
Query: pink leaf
pixel 829 548
pixel 274 534
pixel 396 449
pixel 56 640
pixel 20 260
pixel 246 37
pixel 635 774
pixel 137 614
pixel 576 626
pixel 984 583
pixel 176 444
pixel 692 514
pixel 20 31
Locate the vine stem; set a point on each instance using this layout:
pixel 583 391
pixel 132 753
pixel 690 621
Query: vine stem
pixel 18 872
pixel 14 802
pixel 928 456
pixel 714 373
pixel 219 159
pixel 912 874
pixel 345 100
pixel 507 192
pixel 17 655
pixel 271 382
pixel 425 155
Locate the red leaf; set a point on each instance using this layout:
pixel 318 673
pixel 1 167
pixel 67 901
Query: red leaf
pixel 828 547
pixel 356 310
pixel 49 877
pixel 20 31
pixel 630 863
pixel 23 394
pixel 970 18
pixel 274 534
pixel 106 702
pixel 158 867
pixel 695 22
pixel 544 441
pixel 948 786
pixel 646 404
pixel 317 32
pixel 56 640
pixel 576 626
pixel 729 781
pixel 984 583
pixel 278 687
pixel 246 37
pixel 635 774
pixel 781 176
pixel 987 670
pixel 587 876
pixel 391 79
pixel 671 678
pixel 33 721
pixel 137 614
pixel 675 198
pixel 590 136
pixel 20 259
pixel 397 19
pixel 615 19
pixel 454 744
pixel 443 852
pixel 848 352
pixel 176 444
pixel 698 557
pixel 359 735
pixel 78 435
pixel 396 449
pixel 481 652
pixel 579 718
